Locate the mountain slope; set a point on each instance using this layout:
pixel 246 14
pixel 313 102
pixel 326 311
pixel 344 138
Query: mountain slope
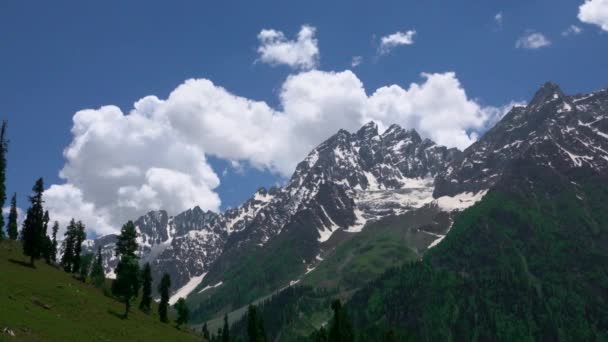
pixel 527 262
pixel 576 124
pixel 46 304
pixel 344 182
pixel 348 180
pixel 498 273
pixel 530 260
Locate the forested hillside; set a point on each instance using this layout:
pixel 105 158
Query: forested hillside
pixel 529 262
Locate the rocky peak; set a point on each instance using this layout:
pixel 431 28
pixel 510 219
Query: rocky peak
pixel 548 92
pixel 152 227
pixel 367 131
pixel 559 130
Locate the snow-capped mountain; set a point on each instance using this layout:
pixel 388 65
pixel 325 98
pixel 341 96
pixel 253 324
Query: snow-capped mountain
pixel 352 178
pixel 564 131
pixel 345 181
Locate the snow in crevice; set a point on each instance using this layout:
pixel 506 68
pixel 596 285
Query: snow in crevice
pixel 327 232
pixel 211 287
pixel 576 159
pixel 436 241
pixel 360 222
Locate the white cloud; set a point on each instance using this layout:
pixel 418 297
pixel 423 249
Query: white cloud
pixel 356 61
pixel 302 53
pixel 387 43
pixel 121 165
pixel 594 12
pixel 498 18
pixel 572 30
pixel 532 40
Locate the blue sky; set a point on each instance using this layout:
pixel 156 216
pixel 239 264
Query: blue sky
pixel 59 57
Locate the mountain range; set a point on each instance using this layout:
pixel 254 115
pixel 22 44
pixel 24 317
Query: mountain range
pixel 353 186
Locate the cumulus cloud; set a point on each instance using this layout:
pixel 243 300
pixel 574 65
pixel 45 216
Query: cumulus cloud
pixel 121 165
pixel 498 18
pixel 301 53
pixel 388 43
pixel 532 41
pixel 594 12
pixel 356 61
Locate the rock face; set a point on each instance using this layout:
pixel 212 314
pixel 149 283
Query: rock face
pixel 576 125
pixel 352 178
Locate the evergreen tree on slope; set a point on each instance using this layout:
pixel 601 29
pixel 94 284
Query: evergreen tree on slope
pixel 146 298
pixel 97 275
pixel 12 228
pixel 33 234
pixel 163 288
pixel 126 285
pixel 3 151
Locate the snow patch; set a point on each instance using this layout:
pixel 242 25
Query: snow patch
pixel 359 222
pixel 186 289
pixel 372 182
pixel 436 242
pixel 460 201
pixel 263 198
pixel 312 158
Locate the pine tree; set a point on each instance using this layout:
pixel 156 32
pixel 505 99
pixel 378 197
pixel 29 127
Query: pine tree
pixel 97 275
pixel 12 219
pixel 33 224
pixel 79 236
pixel 320 335
pixel 341 329
pixel 85 266
pixel 183 313
pixel 126 244
pixel 47 242
pixel 163 288
pixel 255 325
pixel 54 243
pixel 67 259
pixel 146 298
pixel 126 285
pixel 226 330
pixel 3 151
pixel 205 332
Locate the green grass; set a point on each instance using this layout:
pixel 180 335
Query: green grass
pixel 390 242
pixel 46 304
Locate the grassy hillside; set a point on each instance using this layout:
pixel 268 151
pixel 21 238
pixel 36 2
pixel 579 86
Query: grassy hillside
pixel 383 244
pixel 45 304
